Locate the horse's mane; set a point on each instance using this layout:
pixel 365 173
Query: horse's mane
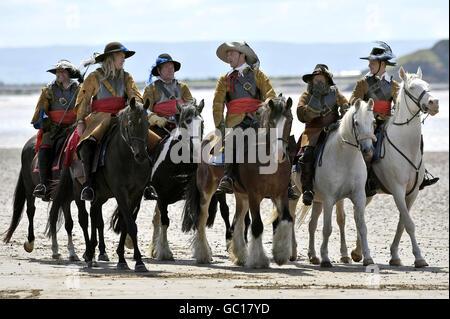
pixel 346 121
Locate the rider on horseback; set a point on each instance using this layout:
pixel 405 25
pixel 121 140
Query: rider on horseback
pixel 54 116
pixel 317 108
pixel 243 89
pixel 162 95
pixel 108 89
pixel 376 84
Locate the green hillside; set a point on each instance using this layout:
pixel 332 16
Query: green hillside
pixel 433 62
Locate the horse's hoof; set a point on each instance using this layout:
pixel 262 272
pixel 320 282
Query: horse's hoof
pixel 420 263
pixel 293 258
pixel 122 266
pixel 368 261
pixel 356 257
pixel 346 260
pixel 326 264
pixel 140 268
pixel 395 262
pixel 28 246
pixel 103 257
pixel 56 256
pixel 90 264
pixel 74 258
pixel 228 244
pixel 129 242
pixel 314 260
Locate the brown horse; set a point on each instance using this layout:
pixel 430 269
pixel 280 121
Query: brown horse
pixel 255 180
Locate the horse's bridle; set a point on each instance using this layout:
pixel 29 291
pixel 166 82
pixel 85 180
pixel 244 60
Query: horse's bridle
pixel 416 102
pixel 128 139
pixel 358 139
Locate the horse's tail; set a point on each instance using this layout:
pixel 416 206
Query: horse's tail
pixel 301 215
pixel 19 202
pixel 191 210
pixel 212 210
pixel 62 191
pixel 116 221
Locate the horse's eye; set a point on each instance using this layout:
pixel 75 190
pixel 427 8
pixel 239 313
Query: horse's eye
pixel 188 121
pixel 356 123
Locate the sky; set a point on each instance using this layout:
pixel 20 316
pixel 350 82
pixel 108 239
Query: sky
pixel 56 22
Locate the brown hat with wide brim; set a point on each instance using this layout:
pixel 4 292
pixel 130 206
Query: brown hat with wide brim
pixel 111 48
pixel 74 73
pixel 319 69
pixel 240 46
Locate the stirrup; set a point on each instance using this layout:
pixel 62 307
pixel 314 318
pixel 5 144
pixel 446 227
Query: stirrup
pixel 308 197
pixel 150 193
pixel 225 186
pixel 87 194
pixel 40 191
pixel 428 181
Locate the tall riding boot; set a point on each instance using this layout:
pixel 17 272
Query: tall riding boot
pixel 292 194
pixel 372 184
pixel 306 178
pixel 87 153
pixel 45 172
pixel 226 183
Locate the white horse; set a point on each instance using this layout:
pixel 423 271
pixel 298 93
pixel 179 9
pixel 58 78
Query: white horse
pixel 342 175
pixel 401 169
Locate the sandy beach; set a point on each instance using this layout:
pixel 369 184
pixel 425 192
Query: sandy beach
pixel 37 275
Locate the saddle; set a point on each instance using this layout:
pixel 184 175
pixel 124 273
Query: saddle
pixel 58 150
pixel 99 157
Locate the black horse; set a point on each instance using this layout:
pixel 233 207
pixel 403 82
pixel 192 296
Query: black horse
pixel 27 181
pixel 170 176
pixel 123 177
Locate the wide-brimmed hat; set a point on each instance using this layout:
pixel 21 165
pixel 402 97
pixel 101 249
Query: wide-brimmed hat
pixel 319 69
pixel 382 52
pixel 164 58
pixel 74 73
pixel 240 46
pixel 111 48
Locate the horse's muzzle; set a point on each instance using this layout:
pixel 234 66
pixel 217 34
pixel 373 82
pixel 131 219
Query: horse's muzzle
pixel 433 106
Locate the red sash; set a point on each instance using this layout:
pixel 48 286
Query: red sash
pixel 382 107
pixel 68 118
pixel 168 108
pixel 109 105
pixel 243 105
pixel 38 140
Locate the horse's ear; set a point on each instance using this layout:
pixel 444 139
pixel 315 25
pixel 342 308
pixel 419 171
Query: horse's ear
pixel 280 95
pixel 178 106
pixel 288 103
pixel 402 73
pixel 146 104
pixel 133 103
pixel 358 104
pixel 200 106
pixel 370 105
pixel 419 72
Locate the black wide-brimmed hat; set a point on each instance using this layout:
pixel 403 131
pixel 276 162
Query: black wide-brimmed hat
pixel 111 48
pixel 319 69
pixel 74 73
pixel 164 58
pixel 382 52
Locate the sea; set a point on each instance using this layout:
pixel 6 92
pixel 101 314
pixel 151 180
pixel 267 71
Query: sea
pixel 16 112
